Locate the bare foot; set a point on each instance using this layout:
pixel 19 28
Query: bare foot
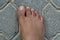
pixel 31 24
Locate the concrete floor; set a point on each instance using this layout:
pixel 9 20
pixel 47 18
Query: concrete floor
pixel 50 9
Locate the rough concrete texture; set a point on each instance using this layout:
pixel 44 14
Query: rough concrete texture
pixel 50 9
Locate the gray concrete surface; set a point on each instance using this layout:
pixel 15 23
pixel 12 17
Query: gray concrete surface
pixel 50 9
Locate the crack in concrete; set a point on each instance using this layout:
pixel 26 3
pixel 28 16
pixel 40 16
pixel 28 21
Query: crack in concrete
pixel 54 6
pixel 5 4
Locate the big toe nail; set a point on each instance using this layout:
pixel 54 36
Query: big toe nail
pixel 21 11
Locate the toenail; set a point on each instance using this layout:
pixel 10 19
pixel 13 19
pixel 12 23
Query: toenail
pixel 21 8
pixel 32 9
pixel 27 7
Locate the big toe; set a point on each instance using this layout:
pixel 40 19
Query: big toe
pixel 21 11
pixel 21 14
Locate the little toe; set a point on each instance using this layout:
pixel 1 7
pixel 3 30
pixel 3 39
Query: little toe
pixel 42 19
pixel 28 11
pixel 39 16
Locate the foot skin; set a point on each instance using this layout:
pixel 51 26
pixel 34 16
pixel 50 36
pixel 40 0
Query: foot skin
pixel 31 24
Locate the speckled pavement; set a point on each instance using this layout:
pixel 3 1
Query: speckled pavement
pixel 50 9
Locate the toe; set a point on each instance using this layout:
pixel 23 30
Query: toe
pixel 33 12
pixel 28 11
pixel 21 11
pixel 21 14
pixel 39 16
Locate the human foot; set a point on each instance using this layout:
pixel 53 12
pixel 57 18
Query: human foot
pixel 31 24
